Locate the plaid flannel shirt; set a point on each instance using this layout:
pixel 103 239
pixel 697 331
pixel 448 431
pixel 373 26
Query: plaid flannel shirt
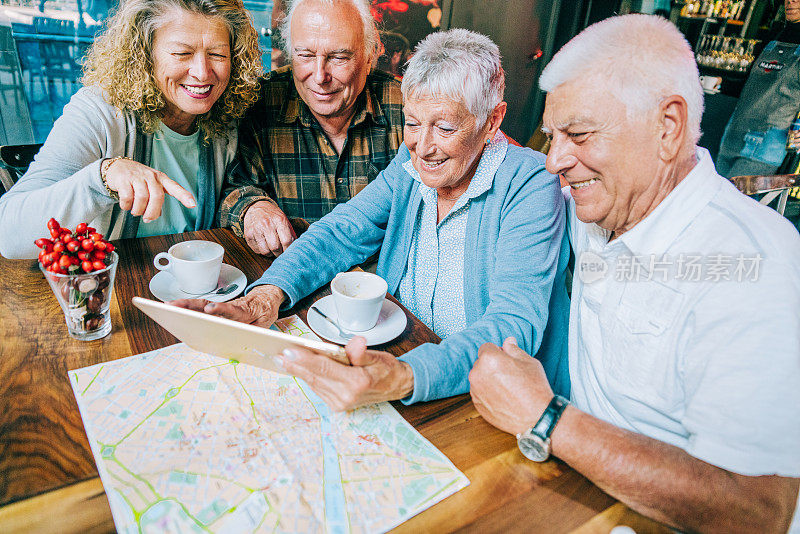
pixel 285 156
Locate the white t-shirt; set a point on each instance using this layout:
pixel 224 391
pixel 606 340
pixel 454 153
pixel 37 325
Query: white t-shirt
pixel 687 327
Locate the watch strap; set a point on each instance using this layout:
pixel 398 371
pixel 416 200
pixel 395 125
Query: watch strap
pixel 547 422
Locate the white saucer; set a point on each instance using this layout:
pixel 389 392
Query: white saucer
pixel 391 323
pixel 164 287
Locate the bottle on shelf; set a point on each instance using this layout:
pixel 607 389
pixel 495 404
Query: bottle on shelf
pixel 791 162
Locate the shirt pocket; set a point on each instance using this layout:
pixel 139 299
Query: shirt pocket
pixel 766 147
pixel 360 182
pixel 641 357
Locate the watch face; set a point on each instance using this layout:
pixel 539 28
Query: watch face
pixel 534 448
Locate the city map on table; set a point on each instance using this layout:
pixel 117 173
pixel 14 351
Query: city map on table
pixel 187 442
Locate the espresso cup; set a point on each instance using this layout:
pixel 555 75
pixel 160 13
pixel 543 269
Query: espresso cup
pixel 710 83
pixel 195 265
pixel 358 297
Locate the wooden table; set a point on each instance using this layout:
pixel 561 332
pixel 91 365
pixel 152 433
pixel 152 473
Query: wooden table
pixel 48 478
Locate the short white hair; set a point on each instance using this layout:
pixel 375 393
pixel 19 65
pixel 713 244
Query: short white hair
pixel 371 38
pixel 645 59
pixel 461 65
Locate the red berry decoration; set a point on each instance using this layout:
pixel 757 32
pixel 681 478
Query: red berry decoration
pixel 84 250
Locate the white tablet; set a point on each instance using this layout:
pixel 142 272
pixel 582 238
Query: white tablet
pixel 222 337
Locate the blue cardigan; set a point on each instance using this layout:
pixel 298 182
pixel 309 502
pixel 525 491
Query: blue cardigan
pixel 515 259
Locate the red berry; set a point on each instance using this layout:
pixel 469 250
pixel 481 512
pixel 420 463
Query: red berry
pixel 109 247
pixel 84 255
pixel 98 265
pixel 87 266
pixel 58 247
pixel 99 245
pixel 42 257
pixel 81 228
pixel 98 255
pixel 73 246
pixel 90 230
pixel 94 236
pixel 55 233
pixel 42 242
pixel 64 262
pixel 52 224
pixel 87 244
pixel 74 261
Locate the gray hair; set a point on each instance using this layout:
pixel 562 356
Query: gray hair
pixel 458 64
pixel 645 59
pixel 371 38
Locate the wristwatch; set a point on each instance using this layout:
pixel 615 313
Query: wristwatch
pixel 534 443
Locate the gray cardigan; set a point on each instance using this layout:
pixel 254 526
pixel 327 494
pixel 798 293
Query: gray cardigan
pixel 64 179
pixel 515 257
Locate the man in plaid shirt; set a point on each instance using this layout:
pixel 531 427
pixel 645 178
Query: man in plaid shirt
pixel 323 128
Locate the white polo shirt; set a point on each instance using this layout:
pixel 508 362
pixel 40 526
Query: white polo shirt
pixel 692 334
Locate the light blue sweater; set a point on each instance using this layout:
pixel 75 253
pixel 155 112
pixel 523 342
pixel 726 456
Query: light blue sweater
pixel 515 259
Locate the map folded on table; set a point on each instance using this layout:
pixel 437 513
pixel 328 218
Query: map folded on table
pixel 185 442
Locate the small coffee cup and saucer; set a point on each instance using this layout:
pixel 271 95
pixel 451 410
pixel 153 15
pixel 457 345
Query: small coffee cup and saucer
pixel 194 269
pixel 358 304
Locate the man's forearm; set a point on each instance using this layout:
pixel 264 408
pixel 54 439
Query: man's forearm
pixel 666 483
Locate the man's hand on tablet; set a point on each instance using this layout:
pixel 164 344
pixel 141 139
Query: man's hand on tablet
pixel 259 307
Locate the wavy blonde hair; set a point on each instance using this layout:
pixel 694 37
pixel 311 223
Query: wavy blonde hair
pixel 120 62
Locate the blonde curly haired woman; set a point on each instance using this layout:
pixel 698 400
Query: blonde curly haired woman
pixel 141 150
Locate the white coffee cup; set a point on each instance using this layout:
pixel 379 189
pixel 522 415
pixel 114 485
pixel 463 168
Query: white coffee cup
pixel 358 297
pixel 195 265
pixel 710 83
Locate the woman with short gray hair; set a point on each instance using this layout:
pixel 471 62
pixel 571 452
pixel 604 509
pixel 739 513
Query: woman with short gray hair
pixel 470 231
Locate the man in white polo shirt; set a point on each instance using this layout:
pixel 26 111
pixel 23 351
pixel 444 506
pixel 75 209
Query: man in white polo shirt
pixel 684 346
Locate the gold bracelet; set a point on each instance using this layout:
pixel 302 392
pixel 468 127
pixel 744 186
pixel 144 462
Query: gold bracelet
pixel 104 166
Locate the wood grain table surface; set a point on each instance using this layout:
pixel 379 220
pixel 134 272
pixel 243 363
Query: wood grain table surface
pixel 49 481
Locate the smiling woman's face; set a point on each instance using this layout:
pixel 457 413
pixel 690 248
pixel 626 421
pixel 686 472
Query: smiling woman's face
pixel 191 66
pixel 443 139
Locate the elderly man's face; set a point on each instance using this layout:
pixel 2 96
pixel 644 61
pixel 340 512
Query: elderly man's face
pixel 608 160
pixel 792 10
pixel 328 61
